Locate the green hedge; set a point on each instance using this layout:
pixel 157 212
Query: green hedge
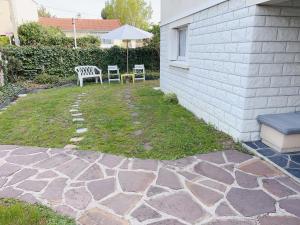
pixel 62 61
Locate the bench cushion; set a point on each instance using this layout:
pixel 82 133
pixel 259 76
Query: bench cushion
pixel 286 123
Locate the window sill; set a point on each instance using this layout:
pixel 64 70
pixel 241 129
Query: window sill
pixel 180 64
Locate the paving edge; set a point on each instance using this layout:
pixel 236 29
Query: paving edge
pixel 269 161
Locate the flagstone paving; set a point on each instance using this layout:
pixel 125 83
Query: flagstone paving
pixel 223 188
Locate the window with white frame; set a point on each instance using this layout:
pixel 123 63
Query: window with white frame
pixel 182 43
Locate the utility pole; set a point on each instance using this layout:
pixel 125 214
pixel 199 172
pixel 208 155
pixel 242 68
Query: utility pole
pixel 74 30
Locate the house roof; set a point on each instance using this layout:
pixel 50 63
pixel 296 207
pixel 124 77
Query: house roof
pixel 81 24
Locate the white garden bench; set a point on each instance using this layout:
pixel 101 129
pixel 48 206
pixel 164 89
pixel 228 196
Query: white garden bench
pixel 84 72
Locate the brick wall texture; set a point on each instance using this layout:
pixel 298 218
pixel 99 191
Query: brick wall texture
pixel 244 61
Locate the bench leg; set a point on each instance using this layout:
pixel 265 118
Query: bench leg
pixel 81 82
pixel 96 79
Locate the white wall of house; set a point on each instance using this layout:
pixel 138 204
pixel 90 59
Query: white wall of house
pixel 14 13
pixel 242 61
pixel 6 25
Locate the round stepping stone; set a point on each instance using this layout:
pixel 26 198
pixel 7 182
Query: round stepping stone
pixel 251 202
pixel 78 120
pixel 81 130
pixel 77 114
pixel 70 147
pixel 76 139
pixel 22 95
pixel 147 146
pixel 138 133
pixel 98 216
pixel 74 110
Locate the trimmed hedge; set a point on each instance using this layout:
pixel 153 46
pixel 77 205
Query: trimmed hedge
pixel 62 61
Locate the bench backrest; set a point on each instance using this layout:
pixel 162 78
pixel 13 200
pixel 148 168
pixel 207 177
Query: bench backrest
pixel 139 69
pixel 83 71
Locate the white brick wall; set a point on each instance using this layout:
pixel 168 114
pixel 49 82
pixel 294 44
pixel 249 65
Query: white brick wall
pixel 243 62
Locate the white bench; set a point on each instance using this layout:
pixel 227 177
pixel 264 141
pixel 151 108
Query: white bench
pixel 84 72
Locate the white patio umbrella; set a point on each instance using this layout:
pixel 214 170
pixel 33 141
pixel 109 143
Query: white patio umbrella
pixel 127 33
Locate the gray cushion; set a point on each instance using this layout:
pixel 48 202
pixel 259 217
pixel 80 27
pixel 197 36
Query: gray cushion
pixel 286 123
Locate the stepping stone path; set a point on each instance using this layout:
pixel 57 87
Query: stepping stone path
pixel 77 117
pixel 138 133
pixel 97 189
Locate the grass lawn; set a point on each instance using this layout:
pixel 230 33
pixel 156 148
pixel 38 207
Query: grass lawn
pixel 13 212
pixel 129 120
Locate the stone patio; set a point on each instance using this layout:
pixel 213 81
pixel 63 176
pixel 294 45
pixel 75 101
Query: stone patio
pixel 223 188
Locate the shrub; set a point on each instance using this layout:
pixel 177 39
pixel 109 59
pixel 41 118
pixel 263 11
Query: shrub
pixel 46 79
pixel 4 41
pixel 61 61
pixel 9 91
pixel 34 34
pixel 171 98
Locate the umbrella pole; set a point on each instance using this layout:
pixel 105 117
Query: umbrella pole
pixel 127 58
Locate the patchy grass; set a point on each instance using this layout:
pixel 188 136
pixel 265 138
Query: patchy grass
pixel 129 120
pixel 13 212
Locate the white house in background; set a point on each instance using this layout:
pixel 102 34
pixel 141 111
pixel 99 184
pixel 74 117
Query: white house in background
pixel 14 13
pixel 229 61
pixel 84 27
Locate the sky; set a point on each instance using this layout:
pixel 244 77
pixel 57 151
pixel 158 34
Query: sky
pixel 87 8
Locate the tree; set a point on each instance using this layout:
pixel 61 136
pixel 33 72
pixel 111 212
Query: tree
pixel 154 42
pixel 133 12
pixel 42 12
